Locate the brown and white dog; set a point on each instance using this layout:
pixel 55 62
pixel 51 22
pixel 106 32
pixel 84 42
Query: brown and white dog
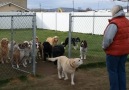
pixel 66 65
pixel 21 53
pixel 38 50
pixel 4 50
pixel 83 49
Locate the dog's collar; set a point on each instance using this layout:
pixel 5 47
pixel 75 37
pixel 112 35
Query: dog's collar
pixel 71 64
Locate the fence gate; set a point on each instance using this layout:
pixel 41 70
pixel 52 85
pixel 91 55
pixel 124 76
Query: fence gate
pixel 18 28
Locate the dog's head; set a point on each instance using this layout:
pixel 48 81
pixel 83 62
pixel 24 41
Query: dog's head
pixel 55 39
pixel 78 39
pixel 21 46
pixel 77 62
pixel 83 44
pixel 26 44
pixel 4 42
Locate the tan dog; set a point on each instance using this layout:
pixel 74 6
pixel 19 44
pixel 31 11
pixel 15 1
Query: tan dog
pixel 4 50
pixel 66 65
pixel 52 40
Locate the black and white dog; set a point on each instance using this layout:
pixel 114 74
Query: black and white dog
pixel 83 49
pixel 49 51
pixel 74 41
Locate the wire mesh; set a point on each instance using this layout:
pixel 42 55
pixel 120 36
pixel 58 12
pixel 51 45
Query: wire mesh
pixel 18 29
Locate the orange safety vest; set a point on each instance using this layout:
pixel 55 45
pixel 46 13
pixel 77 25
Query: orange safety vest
pixel 120 44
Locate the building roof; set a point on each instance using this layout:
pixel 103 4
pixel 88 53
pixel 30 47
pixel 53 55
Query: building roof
pixel 7 3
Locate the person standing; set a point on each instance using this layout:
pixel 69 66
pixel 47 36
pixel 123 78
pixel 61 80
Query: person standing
pixel 116 46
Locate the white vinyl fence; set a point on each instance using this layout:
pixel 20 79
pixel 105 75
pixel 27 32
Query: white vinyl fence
pixel 83 22
pixel 90 23
pixel 53 21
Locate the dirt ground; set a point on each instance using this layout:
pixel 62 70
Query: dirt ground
pixel 85 79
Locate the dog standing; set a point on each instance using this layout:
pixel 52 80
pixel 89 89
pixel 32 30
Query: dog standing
pixel 49 51
pixel 83 49
pixel 66 65
pixel 4 50
pixel 74 41
pixel 21 53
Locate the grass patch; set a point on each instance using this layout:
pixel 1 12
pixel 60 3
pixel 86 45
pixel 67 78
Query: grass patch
pixel 23 78
pixel 4 82
pixel 93 65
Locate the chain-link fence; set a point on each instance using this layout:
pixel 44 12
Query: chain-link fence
pixel 18 58
pixel 90 25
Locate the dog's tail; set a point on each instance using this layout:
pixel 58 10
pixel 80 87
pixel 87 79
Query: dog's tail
pixel 52 59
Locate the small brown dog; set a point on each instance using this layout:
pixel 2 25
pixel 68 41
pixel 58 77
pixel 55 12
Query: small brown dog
pixel 4 50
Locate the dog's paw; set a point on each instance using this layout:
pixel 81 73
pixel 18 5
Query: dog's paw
pixel 59 77
pixel 17 66
pixel 72 83
pixel 2 62
pixel 29 61
pixel 7 61
pixel 62 76
pixel 84 57
pixel 24 65
pixel 65 78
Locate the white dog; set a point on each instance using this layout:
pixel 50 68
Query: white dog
pixel 66 65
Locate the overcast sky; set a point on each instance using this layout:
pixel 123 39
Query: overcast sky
pixel 93 4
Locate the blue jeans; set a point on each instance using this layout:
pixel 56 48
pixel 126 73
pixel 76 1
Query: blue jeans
pixel 116 71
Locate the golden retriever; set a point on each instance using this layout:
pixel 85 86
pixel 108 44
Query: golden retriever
pixel 66 65
pixel 52 40
pixel 4 50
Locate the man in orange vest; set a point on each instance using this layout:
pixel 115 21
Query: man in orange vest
pixel 116 46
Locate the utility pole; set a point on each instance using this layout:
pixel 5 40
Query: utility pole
pixel 127 5
pixel 73 5
pixel 40 7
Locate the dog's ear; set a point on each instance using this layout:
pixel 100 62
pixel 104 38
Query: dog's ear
pixel 74 61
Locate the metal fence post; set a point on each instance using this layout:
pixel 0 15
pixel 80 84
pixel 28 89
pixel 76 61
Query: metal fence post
pixel 93 22
pixel 34 41
pixel 12 38
pixel 69 34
